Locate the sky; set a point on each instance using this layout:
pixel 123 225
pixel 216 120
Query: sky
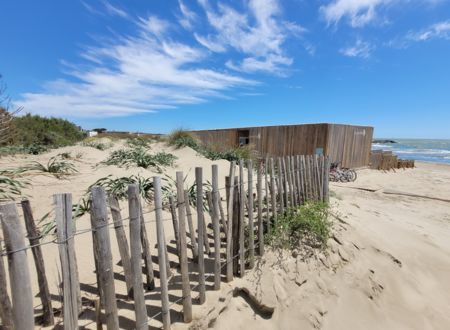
pixel 153 66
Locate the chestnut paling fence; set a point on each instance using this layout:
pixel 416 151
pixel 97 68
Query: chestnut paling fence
pixel 231 237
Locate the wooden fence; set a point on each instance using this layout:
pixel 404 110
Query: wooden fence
pixel 386 160
pixel 252 208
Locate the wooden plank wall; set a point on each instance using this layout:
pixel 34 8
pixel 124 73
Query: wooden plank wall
pixel 347 144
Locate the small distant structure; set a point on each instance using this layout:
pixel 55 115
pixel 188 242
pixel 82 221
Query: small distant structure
pixel 92 133
pixel 347 144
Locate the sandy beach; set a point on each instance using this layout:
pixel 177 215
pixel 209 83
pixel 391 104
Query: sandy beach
pixel 386 266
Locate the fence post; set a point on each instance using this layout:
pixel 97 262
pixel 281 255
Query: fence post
pixel 280 185
pixel 136 256
pixel 194 241
pixel 122 243
pixel 251 230
pixel 241 219
pixel 19 274
pixel 146 251
pixel 272 194
pixel 308 178
pixel 5 302
pixel 223 219
pixel 34 238
pixel 103 249
pixel 201 232
pixel 64 232
pixel 299 180
pixel 266 191
pixel 186 288
pixel 176 233
pixel 161 254
pixel 216 227
pixel 230 206
pixel 326 180
pixel 260 206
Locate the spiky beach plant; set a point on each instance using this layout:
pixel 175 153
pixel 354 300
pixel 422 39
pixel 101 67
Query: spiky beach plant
pixel 10 183
pixel 55 166
pixel 141 158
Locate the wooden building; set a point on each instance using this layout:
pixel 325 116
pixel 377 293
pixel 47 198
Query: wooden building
pixel 347 144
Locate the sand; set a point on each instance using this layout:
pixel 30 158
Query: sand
pixel 386 266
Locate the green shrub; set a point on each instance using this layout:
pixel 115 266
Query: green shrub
pixel 180 138
pixel 36 130
pixel 97 144
pixel 236 154
pixel 139 142
pixel 309 224
pixel 34 149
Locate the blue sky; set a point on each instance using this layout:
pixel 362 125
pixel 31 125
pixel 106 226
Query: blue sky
pixel 156 65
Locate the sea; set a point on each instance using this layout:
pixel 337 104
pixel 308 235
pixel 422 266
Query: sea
pixel 426 150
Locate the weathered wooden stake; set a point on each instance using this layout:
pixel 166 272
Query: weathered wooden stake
pixel 272 194
pixel 149 274
pixel 122 242
pixel 241 219
pixel 135 250
pixel 230 206
pixel 103 249
pixel 251 230
pixel 19 274
pixel 64 232
pixel 223 219
pixel 194 242
pixel 259 190
pixel 280 185
pixel 34 238
pixel 201 237
pixel 161 254
pixel 176 232
pixel 186 288
pixel 266 191
pixel 5 302
pixel 216 227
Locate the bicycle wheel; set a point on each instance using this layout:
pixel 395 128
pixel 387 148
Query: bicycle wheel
pixel 351 175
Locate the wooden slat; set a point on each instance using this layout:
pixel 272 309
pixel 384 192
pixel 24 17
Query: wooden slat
pixel 161 254
pixel 103 250
pixel 186 288
pixel 19 274
pixel 34 239
pixel 135 251
pixel 64 233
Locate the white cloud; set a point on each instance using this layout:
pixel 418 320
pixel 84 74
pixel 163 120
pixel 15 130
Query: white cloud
pixel 439 30
pixel 113 10
pixel 188 17
pixel 361 49
pixel 358 12
pixel 133 75
pixel 258 33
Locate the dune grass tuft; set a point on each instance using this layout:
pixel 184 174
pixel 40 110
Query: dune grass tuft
pixel 308 224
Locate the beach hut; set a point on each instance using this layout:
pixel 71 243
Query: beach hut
pixel 347 144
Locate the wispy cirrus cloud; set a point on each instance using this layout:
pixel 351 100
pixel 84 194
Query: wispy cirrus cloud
pixel 357 12
pixel 134 74
pixel 258 33
pixel 440 30
pixel 361 48
pixel 157 67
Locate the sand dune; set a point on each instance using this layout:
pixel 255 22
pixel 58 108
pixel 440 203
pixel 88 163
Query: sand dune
pixel 386 267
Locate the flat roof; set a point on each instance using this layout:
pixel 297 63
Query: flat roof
pixel 268 126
